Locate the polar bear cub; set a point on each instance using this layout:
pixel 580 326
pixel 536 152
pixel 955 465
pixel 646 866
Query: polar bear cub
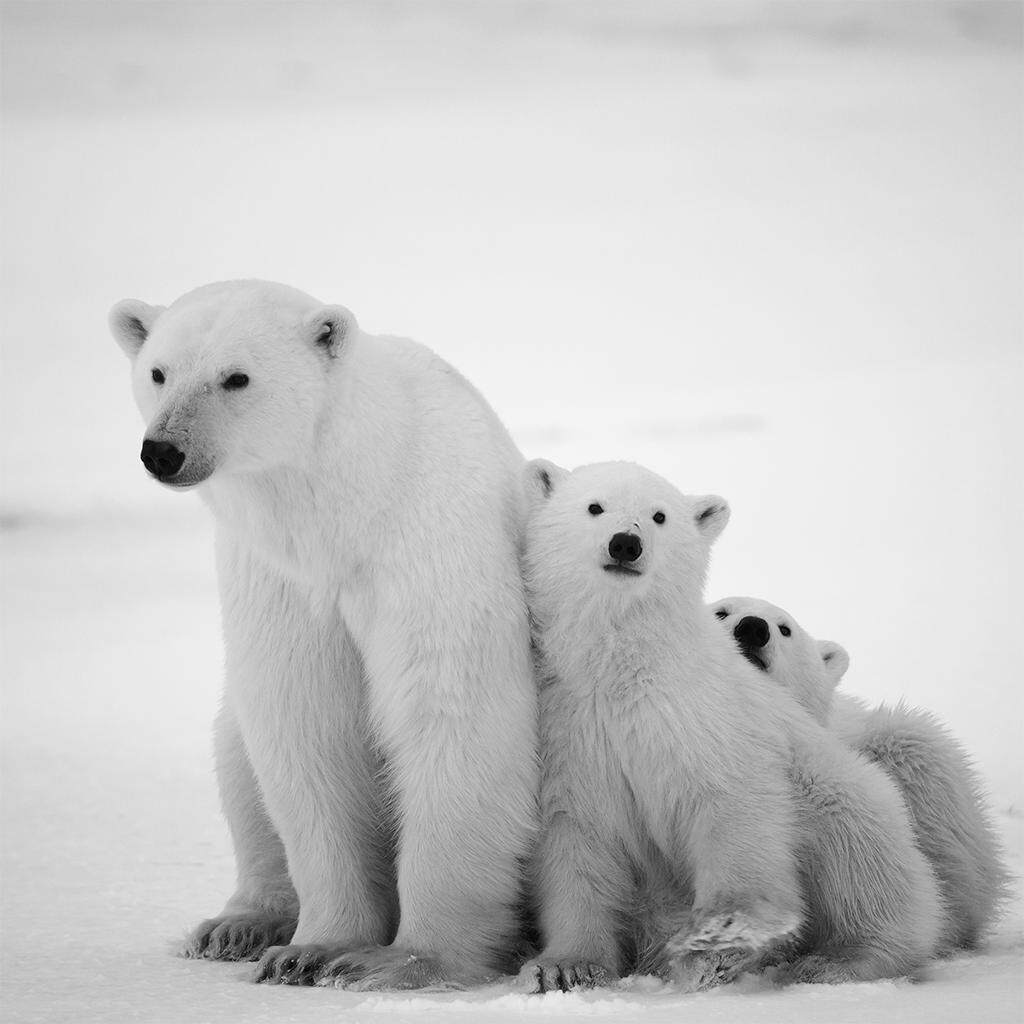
pixel 649 750
pixel 376 751
pixel 664 759
pixel 933 772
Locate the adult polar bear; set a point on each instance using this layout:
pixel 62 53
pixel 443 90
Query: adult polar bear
pixel 368 506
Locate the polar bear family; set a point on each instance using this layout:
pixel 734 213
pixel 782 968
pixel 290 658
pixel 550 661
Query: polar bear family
pixel 382 551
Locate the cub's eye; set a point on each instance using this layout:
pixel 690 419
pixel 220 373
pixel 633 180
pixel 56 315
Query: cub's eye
pixel 721 614
pixel 235 382
pixel 157 375
pixel 785 630
pixel 659 517
pixel 595 509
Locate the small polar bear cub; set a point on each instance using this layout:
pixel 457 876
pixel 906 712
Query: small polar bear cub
pixel 667 767
pixel 934 774
pixel 774 642
pixel 653 762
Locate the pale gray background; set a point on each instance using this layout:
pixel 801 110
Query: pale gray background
pixel 770 250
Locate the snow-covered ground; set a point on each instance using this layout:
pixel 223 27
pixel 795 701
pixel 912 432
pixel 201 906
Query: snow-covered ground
pixel 771 251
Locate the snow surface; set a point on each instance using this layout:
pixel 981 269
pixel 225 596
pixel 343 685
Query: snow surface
pixel 771 251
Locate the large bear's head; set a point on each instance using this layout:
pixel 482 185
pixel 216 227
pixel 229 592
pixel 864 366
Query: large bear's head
pixel 231 378
pixel 613 535
pixel 774 642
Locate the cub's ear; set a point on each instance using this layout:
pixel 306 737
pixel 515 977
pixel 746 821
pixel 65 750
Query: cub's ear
pixel 130 322
pixel 328 327
pixel 540 478
pixel 836 660
pixel 710 513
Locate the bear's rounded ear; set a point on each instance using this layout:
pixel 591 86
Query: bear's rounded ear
pixel 835 658
pixel 130 322
pixel 328 327
pixel 710 513
pixel 540 478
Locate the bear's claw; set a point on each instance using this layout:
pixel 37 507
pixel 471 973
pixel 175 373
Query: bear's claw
pixel 540 976
pixel 382 968
pixel 294 965
pixel 237 936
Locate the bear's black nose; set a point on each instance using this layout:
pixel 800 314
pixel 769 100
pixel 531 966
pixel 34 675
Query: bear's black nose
pixel 625 547
pixel 751 632
pixel 161 458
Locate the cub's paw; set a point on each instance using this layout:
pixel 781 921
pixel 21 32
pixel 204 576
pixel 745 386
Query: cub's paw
pixel 393 968
pixel 294 965
pixel 700 971
pixel 562 975
pixel 238 936
pixel 730 929
pixel 820 969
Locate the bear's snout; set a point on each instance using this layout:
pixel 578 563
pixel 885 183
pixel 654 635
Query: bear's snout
pixel 752 633
pixel 161 458
pixel 625 547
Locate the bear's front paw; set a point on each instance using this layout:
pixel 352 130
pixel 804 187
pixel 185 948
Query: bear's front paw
pixel 392 968
pixel 294 965
pixel 553 974
pixel 238 936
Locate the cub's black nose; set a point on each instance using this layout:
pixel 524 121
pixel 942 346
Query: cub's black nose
pixel 161 458
pixel 625 547
pixel 752 633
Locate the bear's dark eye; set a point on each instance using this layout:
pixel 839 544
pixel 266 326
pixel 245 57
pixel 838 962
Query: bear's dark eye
pixel 785 630
pixel 235 382
pixel 721 614
pixel 595 509
pixel 659 517
pixel 157 375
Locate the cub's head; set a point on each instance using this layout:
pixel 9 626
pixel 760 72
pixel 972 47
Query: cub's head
pixel 772 641
pixel 231 378
pixel 613 534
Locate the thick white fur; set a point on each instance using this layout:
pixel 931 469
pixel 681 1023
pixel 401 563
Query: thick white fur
pixel 668 770
pixel 376 748
pixel 942 791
